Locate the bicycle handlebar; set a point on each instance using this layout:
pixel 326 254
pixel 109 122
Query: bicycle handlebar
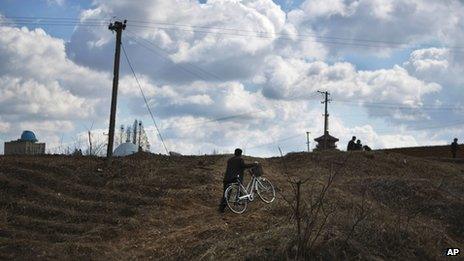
pixel 249 170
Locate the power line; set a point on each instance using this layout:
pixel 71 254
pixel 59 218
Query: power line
pixel 143 23
pixel 264 36
pixel 144 98
pixel 353 42
pixel 269 34
pixel 153 22
pixel 262 32
pixel 358 42
pixel 54 18
pixel 309 35
pixel 54 24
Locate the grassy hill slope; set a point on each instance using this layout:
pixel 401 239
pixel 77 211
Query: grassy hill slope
pixel 152 207
pixel 429 151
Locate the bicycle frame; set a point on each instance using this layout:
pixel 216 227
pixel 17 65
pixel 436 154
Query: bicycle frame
pixel 238 197
pixel 250 188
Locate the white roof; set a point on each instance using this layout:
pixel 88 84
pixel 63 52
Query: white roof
pixel 125 149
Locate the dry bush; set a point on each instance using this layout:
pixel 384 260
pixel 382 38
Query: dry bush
pixel 313 212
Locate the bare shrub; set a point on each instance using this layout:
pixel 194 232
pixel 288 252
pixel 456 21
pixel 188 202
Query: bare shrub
pixel 311 209
pixel 361 212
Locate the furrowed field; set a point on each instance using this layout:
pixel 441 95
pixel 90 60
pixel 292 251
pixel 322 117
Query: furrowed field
pixel 381 205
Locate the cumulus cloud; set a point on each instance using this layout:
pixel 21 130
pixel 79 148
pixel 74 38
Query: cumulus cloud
pixel 380 24
pixel 215 41
pixel 297 79
pixel 27 99
pixel 427 60
pixel 231 73
pixel 436 64
pixel 34 54
pixel 443 66
pixel 40 88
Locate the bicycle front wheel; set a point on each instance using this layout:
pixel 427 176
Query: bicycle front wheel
pixel 232 195
pixel 265 190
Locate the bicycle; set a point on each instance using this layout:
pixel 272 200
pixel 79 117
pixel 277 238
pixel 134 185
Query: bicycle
pixel 237 196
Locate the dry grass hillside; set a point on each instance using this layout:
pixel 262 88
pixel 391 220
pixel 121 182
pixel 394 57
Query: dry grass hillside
pixel 379 206
pixel 429 152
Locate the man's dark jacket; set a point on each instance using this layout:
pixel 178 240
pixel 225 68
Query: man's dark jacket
pixel 235 166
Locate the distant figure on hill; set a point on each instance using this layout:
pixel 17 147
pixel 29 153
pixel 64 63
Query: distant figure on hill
pixel 235 166
pixel 454 147
pixel 351 144
pixel 358 145
pixel 366 148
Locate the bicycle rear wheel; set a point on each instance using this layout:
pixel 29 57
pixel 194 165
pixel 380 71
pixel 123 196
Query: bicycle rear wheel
pixel 232 194
pixel 265 190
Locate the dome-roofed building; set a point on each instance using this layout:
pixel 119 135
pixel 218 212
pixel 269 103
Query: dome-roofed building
pixel 28 136
pixel 125 149
pixel 26 145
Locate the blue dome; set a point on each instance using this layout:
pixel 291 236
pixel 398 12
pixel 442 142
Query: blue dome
pixel 28 136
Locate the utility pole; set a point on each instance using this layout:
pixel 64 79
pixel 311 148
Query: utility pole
pixel 307 139
pixel 117 27
pixel 326 116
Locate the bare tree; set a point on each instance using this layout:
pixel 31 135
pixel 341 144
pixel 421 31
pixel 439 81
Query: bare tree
pixel 362 211
pixel 311 211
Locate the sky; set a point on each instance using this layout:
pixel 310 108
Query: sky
pixel 221 74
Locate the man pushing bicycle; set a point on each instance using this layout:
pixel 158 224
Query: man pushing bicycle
pixel 235 166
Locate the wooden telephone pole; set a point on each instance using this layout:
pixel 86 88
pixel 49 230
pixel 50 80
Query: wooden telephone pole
pixel 326 116
pixel 117 27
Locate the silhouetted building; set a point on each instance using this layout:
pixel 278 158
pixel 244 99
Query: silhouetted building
pixel 26 145
pixel 326 139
